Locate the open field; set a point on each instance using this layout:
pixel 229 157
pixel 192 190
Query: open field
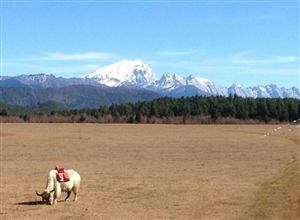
pixel 153 171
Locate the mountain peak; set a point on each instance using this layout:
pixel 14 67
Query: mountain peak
pixel 124 72
pixel 125 62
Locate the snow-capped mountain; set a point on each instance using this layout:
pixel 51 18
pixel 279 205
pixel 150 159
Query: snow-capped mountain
pixel 169 82
pixel 175 85
pixel 138 75
pixel 207 86
pixel 240 90
pixel 124 73
pixel 269 91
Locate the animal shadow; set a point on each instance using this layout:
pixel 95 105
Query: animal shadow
pixel 31 203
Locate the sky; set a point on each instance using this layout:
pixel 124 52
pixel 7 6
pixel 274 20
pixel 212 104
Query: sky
pixel 246 42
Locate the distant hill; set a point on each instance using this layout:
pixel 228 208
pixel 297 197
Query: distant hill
pixel 48 107
pixel 74 97
pixel 45 108
pixel 15 109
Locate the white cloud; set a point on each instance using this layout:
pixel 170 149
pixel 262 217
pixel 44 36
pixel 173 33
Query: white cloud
pixel 287 59
pixel 73 57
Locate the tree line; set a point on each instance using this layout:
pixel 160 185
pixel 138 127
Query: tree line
pixel 195 109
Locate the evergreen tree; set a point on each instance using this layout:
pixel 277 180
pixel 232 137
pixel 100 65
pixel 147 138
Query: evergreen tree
pixel 292 107
pixel 241 110
pixel 154 109
pixel 3 112
pixel 138 118
pixel 103 110
pixel 252 108
pixel 95 113
pixel 283 115
pixel 272 107
pixel 262 109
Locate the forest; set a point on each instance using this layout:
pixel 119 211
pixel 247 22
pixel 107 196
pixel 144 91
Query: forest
pixel 167 110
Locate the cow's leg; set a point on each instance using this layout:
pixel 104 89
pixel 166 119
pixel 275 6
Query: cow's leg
pixel 57 192
pixel 68 195
pixel 75 196
pixel 53 200
pixel 76 189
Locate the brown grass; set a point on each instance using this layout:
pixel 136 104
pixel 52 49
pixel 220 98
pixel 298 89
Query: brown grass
pixel 153 171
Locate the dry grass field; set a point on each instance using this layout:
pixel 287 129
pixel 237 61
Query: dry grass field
pixel 153 171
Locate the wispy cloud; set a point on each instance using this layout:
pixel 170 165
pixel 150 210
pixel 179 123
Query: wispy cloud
pixel 241 63
pixel 244 59
pixel 60 63
pixel 73 57
pixel 32 68
pixel 72 69
pixel 222 68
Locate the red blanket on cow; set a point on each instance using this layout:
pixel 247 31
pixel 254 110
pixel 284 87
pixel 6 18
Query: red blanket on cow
pixel 62 176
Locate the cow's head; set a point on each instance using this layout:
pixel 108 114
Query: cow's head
pixel 46 196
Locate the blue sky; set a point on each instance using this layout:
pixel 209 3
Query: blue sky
pixel 246 42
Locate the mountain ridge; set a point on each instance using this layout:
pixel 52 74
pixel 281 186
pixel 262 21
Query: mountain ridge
pixel 138 75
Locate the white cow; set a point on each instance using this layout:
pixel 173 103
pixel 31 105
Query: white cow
pixel 54 186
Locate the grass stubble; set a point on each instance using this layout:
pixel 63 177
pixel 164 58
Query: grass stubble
pixel 153 171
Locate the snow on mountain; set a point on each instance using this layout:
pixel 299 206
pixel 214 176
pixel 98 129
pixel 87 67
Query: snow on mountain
pixel 197 85
pixel 260 91
pixel 207 85
pixel 137 74
pixel 274 91
pixel 291 93
pixel 170 82
pixel 35 78
pixel 186 91
pixel 268 91
pixel 240 90
pixel 124 73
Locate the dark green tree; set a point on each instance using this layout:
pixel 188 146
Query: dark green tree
pixel 262 110
pixel 103 110
pixel 95 113
pixel 154 110
pixel 3 112
pixel 292 107
pixel 252 108
pixel 138 118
